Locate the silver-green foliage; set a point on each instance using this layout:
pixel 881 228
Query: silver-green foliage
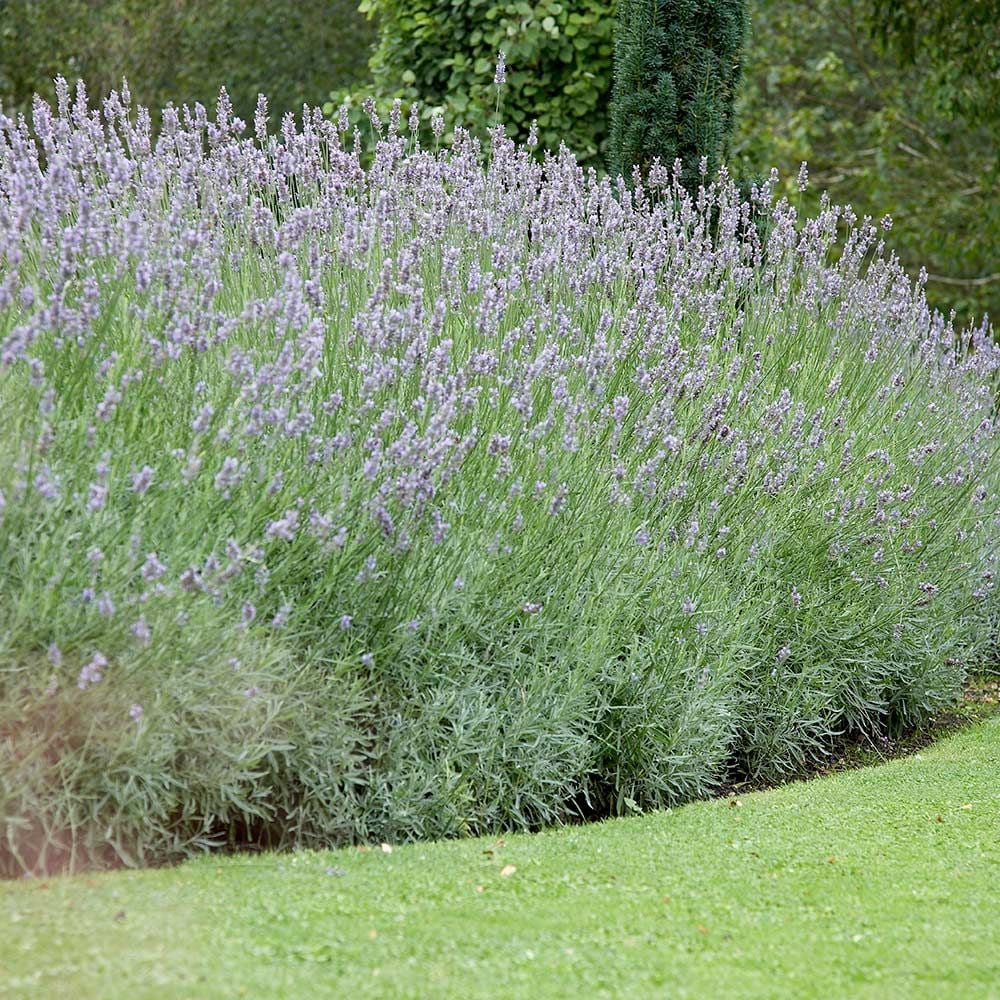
pixel 439 498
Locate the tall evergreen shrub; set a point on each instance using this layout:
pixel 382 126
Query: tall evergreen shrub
pixel 677 67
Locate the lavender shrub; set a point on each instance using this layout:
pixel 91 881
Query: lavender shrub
pixel 454 493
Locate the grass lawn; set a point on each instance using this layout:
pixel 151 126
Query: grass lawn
pixel 881 882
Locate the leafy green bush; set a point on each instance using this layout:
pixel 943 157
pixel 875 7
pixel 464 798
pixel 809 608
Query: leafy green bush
pixel 956 40
pixel 559 56
pixel 295 51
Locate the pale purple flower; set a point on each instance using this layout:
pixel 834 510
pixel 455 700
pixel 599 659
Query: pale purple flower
pixel 142 480
pixel 284 527
pixel 190 471
pixel 260 120
pixel 152 568
pixel 92 672
pixel 141 630
pixel 368 570
pixel 135 713
pixel 500 74
pixel 47 484
pixel 559 500
pixel 203 421
pixel 228 476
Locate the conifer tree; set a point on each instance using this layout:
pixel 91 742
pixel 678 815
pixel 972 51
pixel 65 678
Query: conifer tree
pixel 677 66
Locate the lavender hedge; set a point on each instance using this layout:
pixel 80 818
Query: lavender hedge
pixel 461 492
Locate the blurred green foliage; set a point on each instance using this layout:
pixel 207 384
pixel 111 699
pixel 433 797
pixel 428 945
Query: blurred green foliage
pixel 957 40
pixel 442 53
pixel 184 50
pixel 878 132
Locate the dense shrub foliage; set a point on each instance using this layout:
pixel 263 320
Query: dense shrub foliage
pixel 184 50
pixel 677 67
pixel 560 56
pixel 461 493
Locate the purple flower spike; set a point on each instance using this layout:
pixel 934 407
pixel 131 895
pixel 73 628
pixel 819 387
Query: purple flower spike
pixel 142 480
pixel 92 672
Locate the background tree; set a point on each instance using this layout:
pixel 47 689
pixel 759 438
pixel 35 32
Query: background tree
pixel 677 66
pixel 880 134
pixel 956 41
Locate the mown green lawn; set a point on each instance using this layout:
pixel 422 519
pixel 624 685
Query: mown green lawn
pixel 883 882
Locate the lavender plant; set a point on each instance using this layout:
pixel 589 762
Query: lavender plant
pixel 458 493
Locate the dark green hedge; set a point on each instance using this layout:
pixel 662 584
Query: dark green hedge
pixel 184 50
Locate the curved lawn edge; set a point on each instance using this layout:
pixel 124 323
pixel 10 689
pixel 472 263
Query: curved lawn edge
pixel 872 882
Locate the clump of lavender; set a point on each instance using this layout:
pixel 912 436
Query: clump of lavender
pixel 290 400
